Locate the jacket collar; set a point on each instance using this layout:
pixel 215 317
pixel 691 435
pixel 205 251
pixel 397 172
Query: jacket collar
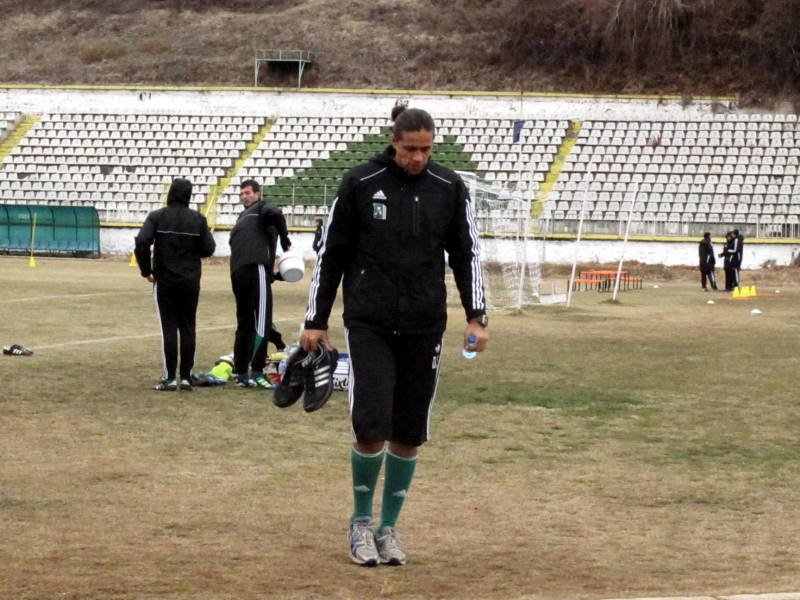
pixel 386 159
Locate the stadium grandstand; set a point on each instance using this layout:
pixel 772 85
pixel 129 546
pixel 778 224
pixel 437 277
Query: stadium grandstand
pixel 691 170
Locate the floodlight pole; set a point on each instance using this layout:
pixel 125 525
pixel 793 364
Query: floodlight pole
pixel 625 239
pixel 578 237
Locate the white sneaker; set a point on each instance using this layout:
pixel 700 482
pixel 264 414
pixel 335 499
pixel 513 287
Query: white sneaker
pixel 389 548
pixel 361 537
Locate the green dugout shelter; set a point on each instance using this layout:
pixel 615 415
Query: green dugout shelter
pixel 68 230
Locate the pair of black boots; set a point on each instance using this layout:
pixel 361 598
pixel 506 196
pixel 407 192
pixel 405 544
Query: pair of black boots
pixel 311 372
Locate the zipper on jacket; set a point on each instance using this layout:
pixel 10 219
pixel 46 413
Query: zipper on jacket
pixel 359 280
pixel 415 217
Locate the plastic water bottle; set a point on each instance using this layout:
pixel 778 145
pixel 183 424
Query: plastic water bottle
pixel 469 351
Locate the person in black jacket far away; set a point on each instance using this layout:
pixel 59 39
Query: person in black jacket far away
pixel 731 255
pixel 739 255
pixel 317 243
pixel 707 262
pixel 253 247
pixel 180 238
pixel 387 233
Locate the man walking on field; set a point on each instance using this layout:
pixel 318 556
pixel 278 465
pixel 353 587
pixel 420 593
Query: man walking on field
pixel 389 228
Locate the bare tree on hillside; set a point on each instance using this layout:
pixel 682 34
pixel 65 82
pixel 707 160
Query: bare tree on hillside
pixel 650 33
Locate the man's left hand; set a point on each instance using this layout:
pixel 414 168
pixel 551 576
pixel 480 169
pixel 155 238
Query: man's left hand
pixel 481 336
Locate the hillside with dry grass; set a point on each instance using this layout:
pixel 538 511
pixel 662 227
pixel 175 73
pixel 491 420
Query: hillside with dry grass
pixel 750 48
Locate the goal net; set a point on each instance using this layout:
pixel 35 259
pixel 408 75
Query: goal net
pixel 512 271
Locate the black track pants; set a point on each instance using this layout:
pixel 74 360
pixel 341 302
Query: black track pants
pixel 708 277
pixel 253 293
pixel 176 306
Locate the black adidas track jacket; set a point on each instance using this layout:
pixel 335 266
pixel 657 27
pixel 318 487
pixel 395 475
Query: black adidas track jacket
pixel 386 237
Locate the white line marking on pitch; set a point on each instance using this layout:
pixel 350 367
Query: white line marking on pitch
pixel 135 337
pixel 93 295
pixel 70 296
pixel 118 338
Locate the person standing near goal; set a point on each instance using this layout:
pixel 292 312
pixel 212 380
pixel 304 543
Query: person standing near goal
pixel 390 225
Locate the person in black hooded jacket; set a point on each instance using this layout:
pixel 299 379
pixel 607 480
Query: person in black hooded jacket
pixel 395 221
pixel 180 238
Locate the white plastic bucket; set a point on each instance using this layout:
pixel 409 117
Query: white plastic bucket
pixel 291 266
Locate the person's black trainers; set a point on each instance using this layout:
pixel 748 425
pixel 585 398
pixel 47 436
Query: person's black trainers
pixel 185 384
pixel 244 381
pixel 166 385
pixel 289 390
pixel 319 378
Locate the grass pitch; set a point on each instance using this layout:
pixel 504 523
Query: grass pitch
pixel 640 448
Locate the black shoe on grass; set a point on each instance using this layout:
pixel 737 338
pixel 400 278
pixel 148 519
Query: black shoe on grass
pixel 16 350
pixel 166 385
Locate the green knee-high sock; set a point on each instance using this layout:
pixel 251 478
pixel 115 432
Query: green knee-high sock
pixel 366 468
pixel 399 472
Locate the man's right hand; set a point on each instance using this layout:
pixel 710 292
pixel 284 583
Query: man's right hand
pixel 310 339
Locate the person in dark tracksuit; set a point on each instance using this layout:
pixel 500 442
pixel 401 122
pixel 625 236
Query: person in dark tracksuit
pixel 740 255
pixel 253 247
pixel 392 222
pixel 180 238
pixel 731 256
pixel 707 263
pixel 317 243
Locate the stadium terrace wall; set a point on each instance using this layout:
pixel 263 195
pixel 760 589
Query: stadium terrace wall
pixel 118 241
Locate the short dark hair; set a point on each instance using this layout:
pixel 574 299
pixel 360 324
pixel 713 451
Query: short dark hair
pixel 410 119
pixel 250 183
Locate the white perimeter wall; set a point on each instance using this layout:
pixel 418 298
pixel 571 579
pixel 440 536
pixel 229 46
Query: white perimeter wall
pixel 276 103
pixel 120 241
